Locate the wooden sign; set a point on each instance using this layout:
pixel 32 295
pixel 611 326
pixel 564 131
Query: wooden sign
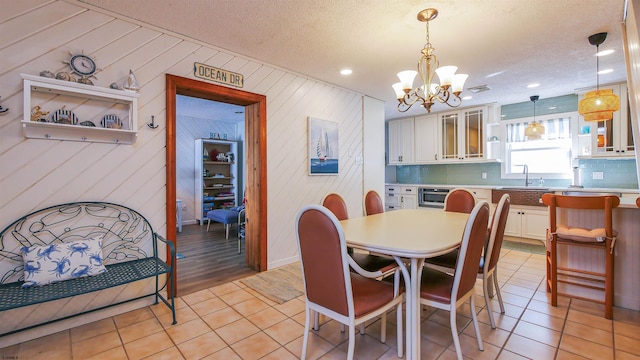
pixel 211 73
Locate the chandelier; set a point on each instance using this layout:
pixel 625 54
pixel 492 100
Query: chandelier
pixel 598 105
pixel 535 130
pixel 427 92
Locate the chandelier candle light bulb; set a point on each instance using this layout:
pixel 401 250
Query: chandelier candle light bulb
pixel 451 84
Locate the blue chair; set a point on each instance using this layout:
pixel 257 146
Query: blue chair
pixel 227 217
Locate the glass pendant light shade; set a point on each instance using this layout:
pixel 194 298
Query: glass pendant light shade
pixel 458 82
pixel 599 105
pixel 397 87
pixel 445 74
pixel 406 79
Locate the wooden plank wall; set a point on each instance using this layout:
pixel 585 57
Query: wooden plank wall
pixel 38 35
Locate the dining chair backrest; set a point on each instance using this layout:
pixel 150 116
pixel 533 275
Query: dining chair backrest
pixel 373 203
pixel 498 224
pixel 336 204
pixel 326 278
pixel 460 200
pixel 604 203
pixel 474 240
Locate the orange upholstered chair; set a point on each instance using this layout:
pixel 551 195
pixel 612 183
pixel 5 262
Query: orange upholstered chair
pixel 349 297
pixel 489 261
pixel 445 291
pixel 459 200
pixel 373 203
pixel 336 204
pixel 583 221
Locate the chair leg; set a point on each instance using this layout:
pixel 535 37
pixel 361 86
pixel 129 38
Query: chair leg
pixel 608 281
pixel 316 321
pixel 383 328
pixel 399 334
pixel 554 272
pixel 362 329
pixel 208 223
pixel 454 330
pixel 475 323
pixel 352 341
pixel 497 289
pixel 486 281
pixel 227 227
pixel 305 338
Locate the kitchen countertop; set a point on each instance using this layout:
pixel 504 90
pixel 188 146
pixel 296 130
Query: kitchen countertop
pixel 627 200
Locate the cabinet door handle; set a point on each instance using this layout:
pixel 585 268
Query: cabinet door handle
pixel 435 156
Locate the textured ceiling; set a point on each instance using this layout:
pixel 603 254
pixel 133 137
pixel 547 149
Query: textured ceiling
pixel 505 44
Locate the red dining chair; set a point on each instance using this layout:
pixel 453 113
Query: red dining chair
pixel 446 291
pixel 373 203
pixel 349 297
pixel 460 200
pixel 487 269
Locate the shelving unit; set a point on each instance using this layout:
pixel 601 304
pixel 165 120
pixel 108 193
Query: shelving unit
pixel 216 181
pixel 87 102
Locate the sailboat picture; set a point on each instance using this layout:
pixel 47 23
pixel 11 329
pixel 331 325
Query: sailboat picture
pixel 323 147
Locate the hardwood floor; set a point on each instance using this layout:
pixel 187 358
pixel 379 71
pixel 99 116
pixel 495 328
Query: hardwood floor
pixel 209 259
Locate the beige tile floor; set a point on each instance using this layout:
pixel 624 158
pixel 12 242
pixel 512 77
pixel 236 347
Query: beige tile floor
pixel 232 321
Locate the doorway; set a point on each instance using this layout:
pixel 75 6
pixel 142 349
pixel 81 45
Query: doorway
pixel 255 160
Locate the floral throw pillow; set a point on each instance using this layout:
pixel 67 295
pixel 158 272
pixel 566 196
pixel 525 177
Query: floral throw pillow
pixel 58 262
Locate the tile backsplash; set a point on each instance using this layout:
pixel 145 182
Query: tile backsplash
pixel 619 174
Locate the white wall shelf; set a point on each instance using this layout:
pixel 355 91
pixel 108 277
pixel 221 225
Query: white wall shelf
pixel 87 102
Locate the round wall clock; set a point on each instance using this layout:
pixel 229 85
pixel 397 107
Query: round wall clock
pixel 82 65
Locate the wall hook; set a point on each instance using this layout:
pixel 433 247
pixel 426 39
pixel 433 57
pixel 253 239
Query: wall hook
pixel 3 110
pixel 152 124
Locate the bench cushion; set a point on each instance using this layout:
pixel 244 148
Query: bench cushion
pixel 12 295
pixel 224 216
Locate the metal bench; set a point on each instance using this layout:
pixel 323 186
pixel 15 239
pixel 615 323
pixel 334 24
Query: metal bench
pixel 129 249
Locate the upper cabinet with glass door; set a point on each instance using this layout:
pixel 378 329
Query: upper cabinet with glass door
pixel 464 135
pixel 613 137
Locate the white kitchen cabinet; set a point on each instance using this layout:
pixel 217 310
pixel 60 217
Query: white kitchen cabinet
pixel 401 197
pixel 613 137
pixel 95 114
pixel 426 139
pixel 463 134
pixel 401 145
pixel 527 222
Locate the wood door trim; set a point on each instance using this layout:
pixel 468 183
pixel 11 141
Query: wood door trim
pixel 256 167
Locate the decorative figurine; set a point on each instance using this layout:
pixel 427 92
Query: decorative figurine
pixel 37 115
pixel 132 83
pixel 47 74
pixel 62 75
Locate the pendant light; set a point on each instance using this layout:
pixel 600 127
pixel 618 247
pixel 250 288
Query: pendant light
pixel 534 130
pixel 598 105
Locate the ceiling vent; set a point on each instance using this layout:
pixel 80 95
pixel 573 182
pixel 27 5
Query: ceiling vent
pixel 479 89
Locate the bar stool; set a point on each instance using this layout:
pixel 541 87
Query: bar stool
pixel 584 221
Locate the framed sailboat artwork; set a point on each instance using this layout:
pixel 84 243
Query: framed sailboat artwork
pixel 323 147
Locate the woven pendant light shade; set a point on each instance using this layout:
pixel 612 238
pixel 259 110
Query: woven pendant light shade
pixel 534 131
pixel 599 105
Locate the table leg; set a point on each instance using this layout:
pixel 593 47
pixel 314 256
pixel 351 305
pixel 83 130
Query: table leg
pixel 408 301
pixel 416 275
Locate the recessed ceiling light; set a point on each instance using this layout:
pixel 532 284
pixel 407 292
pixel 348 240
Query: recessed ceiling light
pixel 605 52
pixel 346 72
pixel 605 71
pixel 531 86
pixel 468 97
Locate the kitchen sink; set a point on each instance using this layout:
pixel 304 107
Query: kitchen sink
pixel 589 193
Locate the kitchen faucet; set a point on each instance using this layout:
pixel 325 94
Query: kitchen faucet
pixel 525 171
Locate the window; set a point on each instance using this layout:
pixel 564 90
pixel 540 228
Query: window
pixel 549 157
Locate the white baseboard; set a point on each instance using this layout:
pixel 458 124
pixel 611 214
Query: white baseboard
pixel 282 262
